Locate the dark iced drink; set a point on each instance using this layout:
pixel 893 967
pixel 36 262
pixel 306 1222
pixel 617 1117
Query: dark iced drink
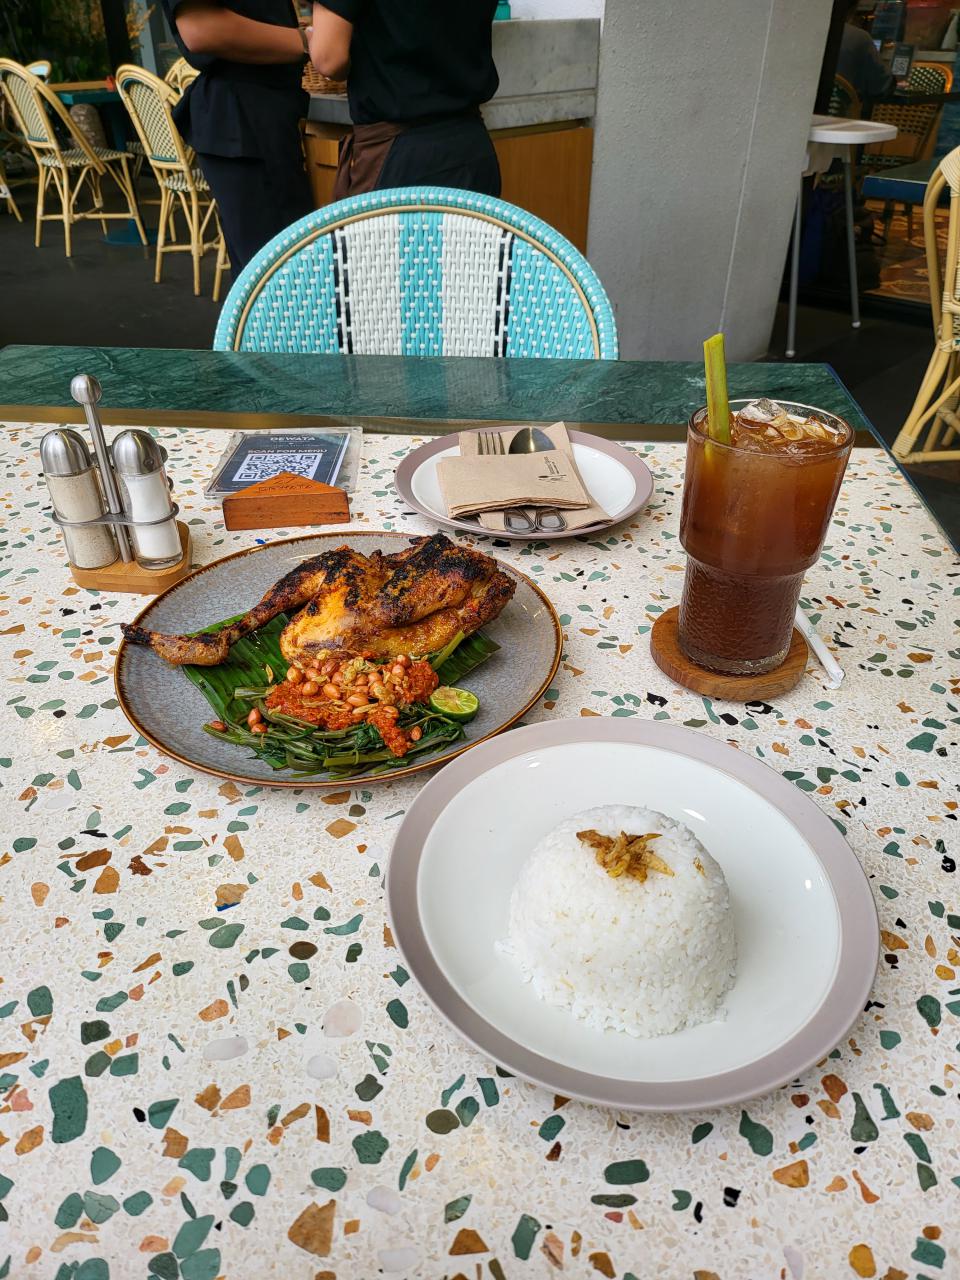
pixel 755 514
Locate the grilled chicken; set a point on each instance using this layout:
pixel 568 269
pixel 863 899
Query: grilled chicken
pixel 382 606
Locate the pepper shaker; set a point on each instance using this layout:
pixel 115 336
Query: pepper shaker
pixel 138 460
pixel 76 493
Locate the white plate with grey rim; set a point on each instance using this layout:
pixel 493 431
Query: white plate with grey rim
pixel 807 928
pixel 616 478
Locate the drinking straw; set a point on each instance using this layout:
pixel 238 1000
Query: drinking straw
pixel 718 403
pixel 821 652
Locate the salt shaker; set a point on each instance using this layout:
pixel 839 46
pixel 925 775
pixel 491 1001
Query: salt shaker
pixel 138 460
pixel 76 493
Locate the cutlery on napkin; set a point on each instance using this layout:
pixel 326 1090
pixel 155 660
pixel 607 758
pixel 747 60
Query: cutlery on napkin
pixel 487 486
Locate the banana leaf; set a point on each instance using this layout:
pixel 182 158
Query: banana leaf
pixel 255 661
pixel 463 655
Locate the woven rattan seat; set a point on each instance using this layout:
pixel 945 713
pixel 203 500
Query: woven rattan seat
pixel 74 159
pixel 181 182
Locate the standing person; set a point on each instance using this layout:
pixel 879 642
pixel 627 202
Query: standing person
pixel 859 62
pixel 242 113
pixel 417 72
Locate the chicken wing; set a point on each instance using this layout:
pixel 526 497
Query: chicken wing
pixel 414 601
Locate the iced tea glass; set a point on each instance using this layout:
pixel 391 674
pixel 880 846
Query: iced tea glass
pixel 755 514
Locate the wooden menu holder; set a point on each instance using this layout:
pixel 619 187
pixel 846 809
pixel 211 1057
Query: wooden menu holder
pixel 132 577
pixel 285 501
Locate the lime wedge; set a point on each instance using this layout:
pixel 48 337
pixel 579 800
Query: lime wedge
pixel 455 704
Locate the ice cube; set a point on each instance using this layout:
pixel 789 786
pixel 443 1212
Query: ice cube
pixel 762 410
pixel 792 427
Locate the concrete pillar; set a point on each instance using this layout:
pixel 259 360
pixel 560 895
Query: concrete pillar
pixel 702 117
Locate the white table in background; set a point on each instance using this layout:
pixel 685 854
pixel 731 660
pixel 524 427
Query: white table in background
pixel 830 138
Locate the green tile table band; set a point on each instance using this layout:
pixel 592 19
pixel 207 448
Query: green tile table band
pixel 201 386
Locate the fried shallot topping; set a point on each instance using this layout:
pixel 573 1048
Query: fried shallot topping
pixel 626 855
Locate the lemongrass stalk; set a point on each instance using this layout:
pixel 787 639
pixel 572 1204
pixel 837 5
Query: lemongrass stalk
pixel 718 402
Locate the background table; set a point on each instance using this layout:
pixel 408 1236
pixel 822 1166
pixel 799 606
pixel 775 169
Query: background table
pixel 106 100
pixel 210 1049
pixel 831 136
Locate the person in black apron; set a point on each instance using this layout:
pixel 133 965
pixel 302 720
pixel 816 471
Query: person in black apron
pixel 242 114
pixel 417 72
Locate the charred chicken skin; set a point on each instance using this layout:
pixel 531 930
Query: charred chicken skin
pixel 381 606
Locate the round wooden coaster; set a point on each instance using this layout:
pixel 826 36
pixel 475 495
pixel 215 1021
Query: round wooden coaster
pixel 665 648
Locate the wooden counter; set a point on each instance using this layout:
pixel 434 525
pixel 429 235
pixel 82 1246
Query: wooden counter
pixel 545 168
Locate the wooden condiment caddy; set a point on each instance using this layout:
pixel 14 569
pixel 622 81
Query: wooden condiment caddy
pixel 285 501
pixel 127 575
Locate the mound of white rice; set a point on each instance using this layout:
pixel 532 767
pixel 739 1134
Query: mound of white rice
pixel 646 957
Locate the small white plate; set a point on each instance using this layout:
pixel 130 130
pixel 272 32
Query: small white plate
pixel 806 924
pixel 615 478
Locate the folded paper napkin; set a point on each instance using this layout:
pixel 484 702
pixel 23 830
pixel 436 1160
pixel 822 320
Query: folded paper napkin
pixel 487 485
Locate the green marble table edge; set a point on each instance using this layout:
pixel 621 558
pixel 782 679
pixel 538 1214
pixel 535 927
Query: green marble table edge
pixel 637 400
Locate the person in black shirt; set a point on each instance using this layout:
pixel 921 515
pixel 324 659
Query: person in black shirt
pixel 242 114
pixel 859 62
pixel 417 72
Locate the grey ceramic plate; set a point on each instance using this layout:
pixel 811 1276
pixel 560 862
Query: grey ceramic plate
pixel 170 712
pixel 805 920
pixel 619 481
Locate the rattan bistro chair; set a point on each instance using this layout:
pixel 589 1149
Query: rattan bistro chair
pixel 917 123
pixel 844 99
pixel 420 271
pixel 180 74
pixel 934 411
pixel 38 111
pixel 7 195
pixel 148 100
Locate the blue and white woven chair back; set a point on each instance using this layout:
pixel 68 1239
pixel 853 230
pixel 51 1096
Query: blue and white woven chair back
pixel 420 271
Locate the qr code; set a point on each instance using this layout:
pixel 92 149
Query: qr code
pixel 262 466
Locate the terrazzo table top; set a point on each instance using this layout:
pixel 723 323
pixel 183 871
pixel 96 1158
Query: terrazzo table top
pixel 213 1063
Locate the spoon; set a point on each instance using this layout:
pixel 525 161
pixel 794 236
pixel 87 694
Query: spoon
pixel 533 440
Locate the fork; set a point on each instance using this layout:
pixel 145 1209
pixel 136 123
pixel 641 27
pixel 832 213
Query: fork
pixel 490 444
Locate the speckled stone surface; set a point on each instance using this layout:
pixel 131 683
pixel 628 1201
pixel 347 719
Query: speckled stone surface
pixel 212 1062
pixel 441 388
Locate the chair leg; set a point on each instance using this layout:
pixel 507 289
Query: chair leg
pixel 909 212
pixel 925 406
pixel 125 184
pixel 851 241
pixel 43 177
pixel 97 190
pixel 165 214
pixel 195 246
pixel 67 198
pixel 11 203
pixel 888 208
pixel 945 412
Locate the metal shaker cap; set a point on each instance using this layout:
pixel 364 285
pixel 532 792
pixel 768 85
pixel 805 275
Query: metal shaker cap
pixel 136 453
pixel 64 453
